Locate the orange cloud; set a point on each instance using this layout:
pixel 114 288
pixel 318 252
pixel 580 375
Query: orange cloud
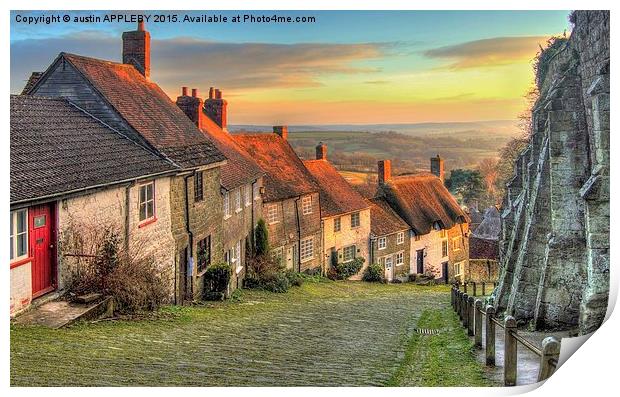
pixel 496 51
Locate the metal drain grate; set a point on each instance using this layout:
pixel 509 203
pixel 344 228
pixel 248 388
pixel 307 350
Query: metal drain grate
pixel 426 331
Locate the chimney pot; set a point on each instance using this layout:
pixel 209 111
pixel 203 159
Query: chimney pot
pixel 194 92
pixel 137 49
pixel 141 26
pixel 211 93
pixel 384 168
pixel 184 91
pixel 321 151
pixel 281 130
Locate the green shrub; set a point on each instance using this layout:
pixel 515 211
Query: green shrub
pixel 373 273
pixel 348 269
pixel 217 277
pixel 294 278
pixel 262 238
pixel 278 283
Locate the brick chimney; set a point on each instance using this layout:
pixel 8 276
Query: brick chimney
pixel 191 105
pixel 384 171
pixel 216 108
pixel 137 49
pixel 281 130
pixel 437 167
pixel 321 151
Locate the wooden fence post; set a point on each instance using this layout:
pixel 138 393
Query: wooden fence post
pixel 474 288
pixel 465 310
pixel 490 336
pixel 478 324
pixel 550 352
pixel 510 352
pixel 470 316
pixel 484 291
pixel 464 287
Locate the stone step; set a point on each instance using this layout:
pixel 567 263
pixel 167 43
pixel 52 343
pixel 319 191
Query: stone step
pixel 61 313
pixel 87 298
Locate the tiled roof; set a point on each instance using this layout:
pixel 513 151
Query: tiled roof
pixel 56 148
pixel 285 174
pixel 480 248
pixel 32 80
pixel 149 111
pixel 490 226
pixel 336 195
pixel 383 219
pixel 240 167
pixel 422 199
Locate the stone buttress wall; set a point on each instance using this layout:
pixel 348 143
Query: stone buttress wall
pixel 554 247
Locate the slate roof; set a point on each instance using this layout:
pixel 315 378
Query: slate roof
pixel 336 195
pixel 240 168
pixel 422 199
pixel 383 219
pixel 148 110
pixel 480 248
pixel 57 148
pixel 491 226
pixel 285 174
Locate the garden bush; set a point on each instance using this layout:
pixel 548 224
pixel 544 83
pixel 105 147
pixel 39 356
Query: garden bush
pixel 373 273
pixel 294 278
pixel 217 277
pixel 347 269
pixel 277 283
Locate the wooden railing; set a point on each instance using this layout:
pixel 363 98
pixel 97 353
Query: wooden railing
pixel 472 287
pixel 470 312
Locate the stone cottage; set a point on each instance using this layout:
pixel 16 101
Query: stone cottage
pixel 291 206
pixel 241 180
pixel 122 96
pixel 554 244
pixel 345 215
pixel 72 175
pixel 438 226
pixel 389 240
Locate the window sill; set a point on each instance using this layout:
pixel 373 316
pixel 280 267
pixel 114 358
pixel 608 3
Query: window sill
pixel 226 217
pixel 273 223
pixel 147 222
pixel 238 269
pixel 306 260
pixel 20 262
pixel 381 249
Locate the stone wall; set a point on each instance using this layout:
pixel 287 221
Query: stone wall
pixel 391 249
pixel 480 270
pixel 21 287
pixel 554 247
pixel 92 213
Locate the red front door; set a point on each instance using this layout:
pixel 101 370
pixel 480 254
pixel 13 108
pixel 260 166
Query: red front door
pixel 41 229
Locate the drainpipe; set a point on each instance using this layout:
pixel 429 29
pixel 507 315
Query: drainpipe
pixel 298 233
pixel 323 258
pixel 127 209
pixel 190 256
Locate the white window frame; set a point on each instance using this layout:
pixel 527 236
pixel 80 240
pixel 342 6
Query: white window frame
pixel 226 202
pixel 248 195
pixel 146 201
pixel 14 235
pixel 306 205
pixel 382 243
pixel 306 249
pixel 278 255
pixel 444 243
pixel 400 238
pixel 236 256
pixel 399 258
pixel 344 253
pixel 272 214
pixel 359 220
pixel 385 261
pixel 458 269
pixel 238 200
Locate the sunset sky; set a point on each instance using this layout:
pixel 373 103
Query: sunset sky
pixel 348 67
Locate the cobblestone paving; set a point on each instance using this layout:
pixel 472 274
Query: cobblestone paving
pixel 321 334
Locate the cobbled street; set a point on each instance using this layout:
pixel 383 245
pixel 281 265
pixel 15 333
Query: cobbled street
pixel 321 334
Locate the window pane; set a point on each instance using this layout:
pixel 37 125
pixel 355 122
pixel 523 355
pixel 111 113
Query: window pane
pixel 142 211
pixel 149 191
pixel 142 194
pixel 149 209
pixel 22 244
pixel 21 221
pixel 12 250
pixel 12 223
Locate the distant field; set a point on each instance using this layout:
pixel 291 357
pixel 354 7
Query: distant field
pixel 357 178
pixel 410 146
